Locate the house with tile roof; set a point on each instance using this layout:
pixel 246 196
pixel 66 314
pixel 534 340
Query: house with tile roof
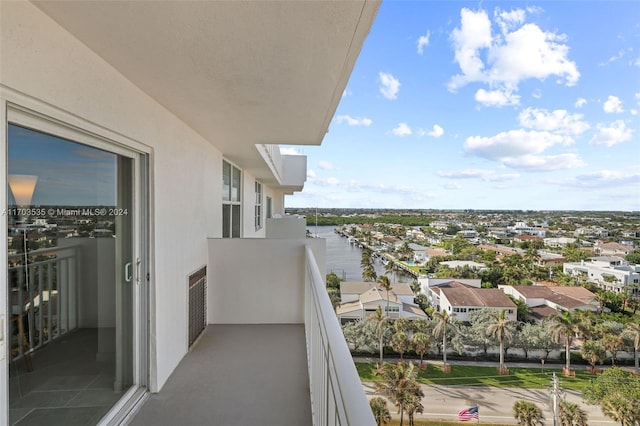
pixel 611 249
pixel 548 300
pixel 461 302
pixel 431 286
pixel 359 300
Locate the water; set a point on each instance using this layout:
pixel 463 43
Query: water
pixel 342 258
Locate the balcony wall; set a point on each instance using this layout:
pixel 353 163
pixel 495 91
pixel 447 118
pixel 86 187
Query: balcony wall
pixel 286 227
pixel 258 281
pixel 281 281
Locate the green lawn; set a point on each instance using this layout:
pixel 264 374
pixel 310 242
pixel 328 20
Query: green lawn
pixel 472 375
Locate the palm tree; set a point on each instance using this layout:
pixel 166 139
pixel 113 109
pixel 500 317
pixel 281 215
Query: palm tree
pixel 562 327
pixel 633 331
pixel 593 352
pixel 334 297
pixel 369 273
pixel 612 343
pixel 383 280
pixel 381 327
pixel 413 405
pixel 620 410
pixel 400 343
pixel 390 267
pixel 502 329
pixel 399 382
pixel 444 322
pixel 421 344
pixel 380 411
pixel 527 413
pixel 571 414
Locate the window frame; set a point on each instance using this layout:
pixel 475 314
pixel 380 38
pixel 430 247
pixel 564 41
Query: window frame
pixel 231 201
pixel 258 212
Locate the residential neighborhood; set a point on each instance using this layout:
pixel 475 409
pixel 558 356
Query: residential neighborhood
pixel 445 282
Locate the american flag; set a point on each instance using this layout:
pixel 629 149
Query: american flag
pixel 468 414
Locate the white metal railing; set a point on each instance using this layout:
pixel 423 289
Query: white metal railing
pixel 44 308
pixel 337 395
pixel 272 154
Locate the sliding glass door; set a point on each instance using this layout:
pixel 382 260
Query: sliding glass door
pixel 77 252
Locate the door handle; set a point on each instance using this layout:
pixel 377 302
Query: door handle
pixel 127 272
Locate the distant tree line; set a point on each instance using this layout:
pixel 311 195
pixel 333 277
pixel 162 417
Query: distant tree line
pixel 361 220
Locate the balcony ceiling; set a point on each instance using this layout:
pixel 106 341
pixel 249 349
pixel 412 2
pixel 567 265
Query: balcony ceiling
pixel 239 73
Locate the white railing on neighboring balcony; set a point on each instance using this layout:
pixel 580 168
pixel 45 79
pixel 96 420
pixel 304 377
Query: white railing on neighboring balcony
pixel 271 153
pixel 337 395
pixel 44 308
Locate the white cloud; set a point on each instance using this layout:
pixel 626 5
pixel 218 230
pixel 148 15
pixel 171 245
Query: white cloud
pixel 580 102
pixel 513 143
pixel 389 85
pixel 530 52
pixel 289 151
pixel 633 111
pixel 523 150
pixel 311 174
pixel 613 58
pixel 521 51
pixel 613 105
pixel 436 131
pixel 600 178
pixel 346 92
pixel 474 34
pixel 558 120
pixel 543 163
pixel 402 129
pixel 423 42
pixel 509 20
pixel 482 174
pixel 497 98
pixel 325 165
pixel 452 185
pixel 354 121
pixel 537 94
pixel 327 181
pixel 611 134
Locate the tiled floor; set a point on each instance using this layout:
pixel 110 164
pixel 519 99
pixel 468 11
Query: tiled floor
pixel 67 386
pixel 237 375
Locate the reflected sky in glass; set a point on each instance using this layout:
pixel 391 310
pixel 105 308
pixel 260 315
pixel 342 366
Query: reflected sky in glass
pixel 69 173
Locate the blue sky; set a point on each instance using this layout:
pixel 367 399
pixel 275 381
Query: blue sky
pixel 490 105
pixel 68 173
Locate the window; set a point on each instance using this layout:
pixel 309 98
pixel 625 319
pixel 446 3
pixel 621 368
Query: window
pixel 258 207
pixel 230 201
pixel 268 207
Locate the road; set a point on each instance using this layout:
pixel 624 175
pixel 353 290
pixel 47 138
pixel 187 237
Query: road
pixel 494 404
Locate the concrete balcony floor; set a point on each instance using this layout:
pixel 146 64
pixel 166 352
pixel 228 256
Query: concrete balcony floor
pixel 237 375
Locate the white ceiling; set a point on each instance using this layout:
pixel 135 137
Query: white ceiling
pixel 238 72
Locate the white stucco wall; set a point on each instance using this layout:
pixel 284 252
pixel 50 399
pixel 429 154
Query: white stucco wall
pixel 51 71
pixel 259 281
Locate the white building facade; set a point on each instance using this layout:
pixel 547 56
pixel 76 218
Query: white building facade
pixel 611 273
pixel 189 102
